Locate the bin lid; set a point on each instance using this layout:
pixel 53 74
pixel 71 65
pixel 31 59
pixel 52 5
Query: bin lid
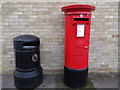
pixel 26 38
pixel 26 42
pixel 78 7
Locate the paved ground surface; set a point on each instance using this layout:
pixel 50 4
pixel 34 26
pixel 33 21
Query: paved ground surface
pixel 56 81
pixel 0 82
pixel 105 80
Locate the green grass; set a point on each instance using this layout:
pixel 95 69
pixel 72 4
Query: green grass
pixel 90 84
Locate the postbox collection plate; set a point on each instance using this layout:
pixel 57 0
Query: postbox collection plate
pixel 80 30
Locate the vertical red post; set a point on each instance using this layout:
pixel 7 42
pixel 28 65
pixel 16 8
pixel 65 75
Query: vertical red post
pixel 77 37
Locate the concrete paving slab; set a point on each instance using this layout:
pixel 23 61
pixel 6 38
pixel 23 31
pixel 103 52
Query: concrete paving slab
pixel 56 81
pixel 105 80
pixel 7 81
pixel 49 81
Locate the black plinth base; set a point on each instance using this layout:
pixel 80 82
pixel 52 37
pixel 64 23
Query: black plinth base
pixel 28 79
pixel 75 78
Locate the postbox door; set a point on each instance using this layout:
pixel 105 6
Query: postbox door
pixel 81 45
pixel 77 45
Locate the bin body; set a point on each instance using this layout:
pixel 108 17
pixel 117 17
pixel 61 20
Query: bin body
pixel 28 72
pixel 77 37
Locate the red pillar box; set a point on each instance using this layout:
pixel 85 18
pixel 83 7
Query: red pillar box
pixel 77 37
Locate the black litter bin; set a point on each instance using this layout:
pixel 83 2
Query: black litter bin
pixel 28 72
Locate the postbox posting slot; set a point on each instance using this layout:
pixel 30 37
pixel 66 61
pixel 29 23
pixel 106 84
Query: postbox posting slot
pixel 77 20
pixel 81 19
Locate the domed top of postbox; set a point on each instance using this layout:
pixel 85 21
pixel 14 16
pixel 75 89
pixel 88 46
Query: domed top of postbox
pixel 78 8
